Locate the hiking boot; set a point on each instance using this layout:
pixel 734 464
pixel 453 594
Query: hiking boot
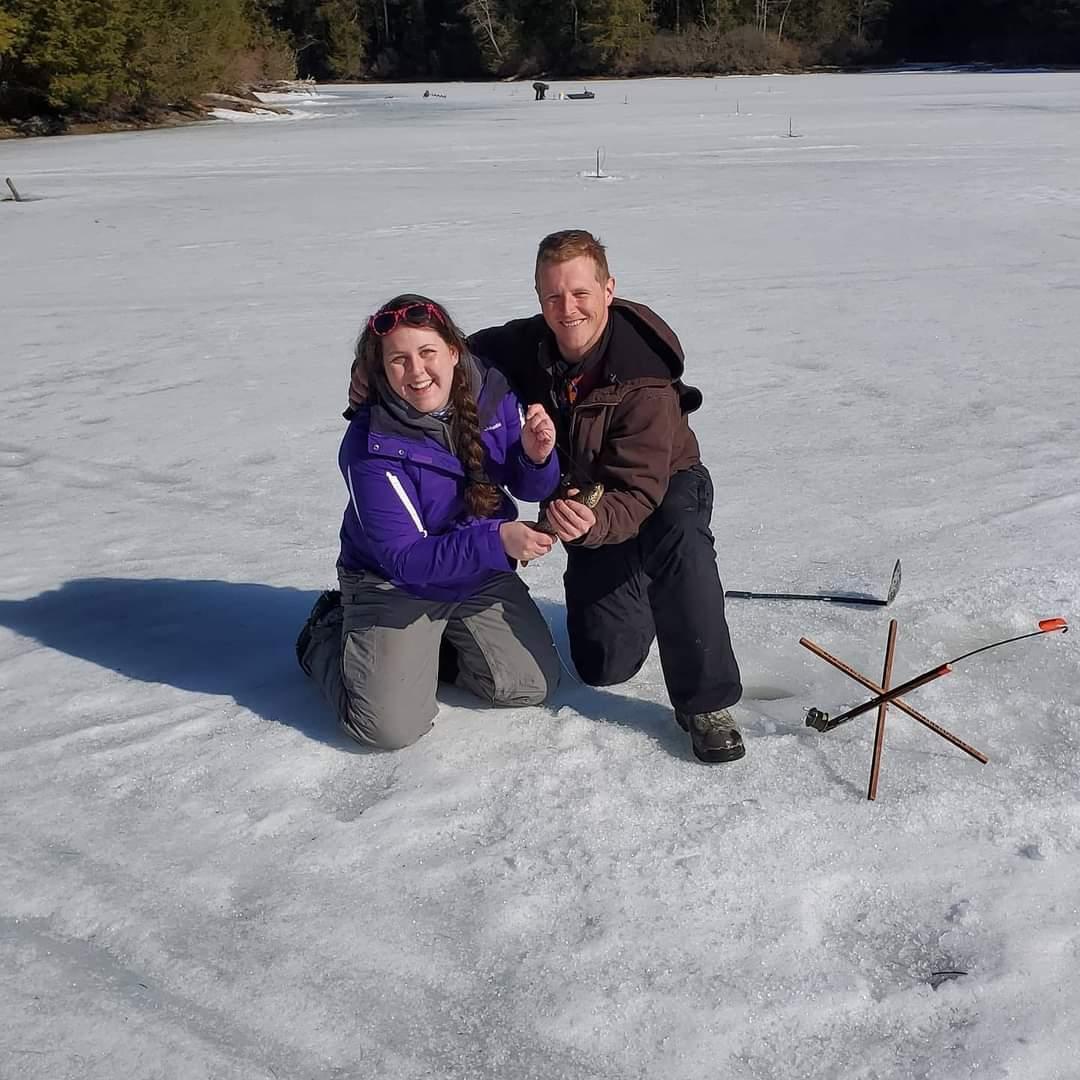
pixel 713 735
pixel 326 603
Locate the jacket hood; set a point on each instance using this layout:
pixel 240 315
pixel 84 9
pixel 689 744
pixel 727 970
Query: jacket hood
pixel 663 341
pixel 643 346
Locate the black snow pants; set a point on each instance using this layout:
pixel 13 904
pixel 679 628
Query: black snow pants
pixel 663 584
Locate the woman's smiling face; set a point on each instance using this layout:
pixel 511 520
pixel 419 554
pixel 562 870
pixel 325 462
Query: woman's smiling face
pixel 419 366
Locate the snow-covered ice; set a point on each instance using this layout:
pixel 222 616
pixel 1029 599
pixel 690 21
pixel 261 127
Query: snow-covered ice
pixel 200 878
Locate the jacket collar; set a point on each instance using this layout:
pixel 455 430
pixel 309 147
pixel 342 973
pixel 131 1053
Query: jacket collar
pixel 640 348
pixel 622 355
pixel 389 437
pixel 405 416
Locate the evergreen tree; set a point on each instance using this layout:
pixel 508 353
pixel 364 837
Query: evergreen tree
pixel 497 34
pixel 97 57
pixel 615 32
pixel 344 37
pixel 9 29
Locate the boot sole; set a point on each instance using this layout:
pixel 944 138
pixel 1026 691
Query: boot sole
pixel 718 757
pixel 712 757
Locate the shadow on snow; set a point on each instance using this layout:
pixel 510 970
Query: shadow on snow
pixel 210 637
pixel 236 639
pixel 602 705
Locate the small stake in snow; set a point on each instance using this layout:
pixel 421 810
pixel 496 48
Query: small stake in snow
pixel 14 190
pixel 821 721
pixel 883 708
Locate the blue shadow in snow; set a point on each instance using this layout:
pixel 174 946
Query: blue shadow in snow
pixel 210 637
pixel 237 639
pixel 596 703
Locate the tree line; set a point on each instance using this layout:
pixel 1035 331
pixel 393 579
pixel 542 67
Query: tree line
pixel 99 56
pixel 121 57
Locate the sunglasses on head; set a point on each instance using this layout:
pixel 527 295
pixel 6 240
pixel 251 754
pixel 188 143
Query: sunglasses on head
pixel 382 322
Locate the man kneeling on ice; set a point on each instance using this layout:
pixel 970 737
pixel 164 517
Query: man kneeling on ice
pixel 641 563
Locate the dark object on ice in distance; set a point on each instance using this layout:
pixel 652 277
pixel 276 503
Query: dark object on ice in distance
pixel 585 95
pixel 433 93
pixel 832 598
pixel 541 89
pixel 939 977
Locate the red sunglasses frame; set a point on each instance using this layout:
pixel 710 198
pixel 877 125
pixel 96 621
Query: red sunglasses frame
pixel 414 314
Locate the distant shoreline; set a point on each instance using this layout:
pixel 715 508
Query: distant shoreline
pixel 203 108
pixel 199 110
pixel 168 118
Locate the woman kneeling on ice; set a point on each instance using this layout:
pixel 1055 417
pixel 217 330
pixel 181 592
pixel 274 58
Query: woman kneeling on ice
pixel 429 537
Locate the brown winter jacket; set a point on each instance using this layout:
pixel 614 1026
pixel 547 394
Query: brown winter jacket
pixel 630 431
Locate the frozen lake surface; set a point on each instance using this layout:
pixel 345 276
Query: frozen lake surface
pixel 200 878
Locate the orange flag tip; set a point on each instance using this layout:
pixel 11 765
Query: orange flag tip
pixel 1047 625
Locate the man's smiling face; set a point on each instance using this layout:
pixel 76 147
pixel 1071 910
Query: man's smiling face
pixel 574 301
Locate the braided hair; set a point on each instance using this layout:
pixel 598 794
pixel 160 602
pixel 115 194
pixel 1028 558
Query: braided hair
pixel 482 498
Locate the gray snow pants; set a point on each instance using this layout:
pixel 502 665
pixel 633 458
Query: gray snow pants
pixel 376 657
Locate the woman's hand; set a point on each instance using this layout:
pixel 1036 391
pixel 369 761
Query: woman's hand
pixel 522 542
pixel 537 434
pixel 569 518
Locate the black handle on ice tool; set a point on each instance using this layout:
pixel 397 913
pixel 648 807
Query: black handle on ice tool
pixel 740 594
pixel 821 721
pixel 830 598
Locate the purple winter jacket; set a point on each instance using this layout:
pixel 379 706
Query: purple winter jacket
pixel 407 521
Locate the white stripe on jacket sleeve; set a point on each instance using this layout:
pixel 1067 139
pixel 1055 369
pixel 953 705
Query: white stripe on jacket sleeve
pixel 352 497
pixel 395 483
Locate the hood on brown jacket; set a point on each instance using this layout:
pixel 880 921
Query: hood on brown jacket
pixel 657 342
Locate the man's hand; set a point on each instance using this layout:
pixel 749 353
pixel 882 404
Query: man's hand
pixel 537 435
pixel 569 518
pixel 522 542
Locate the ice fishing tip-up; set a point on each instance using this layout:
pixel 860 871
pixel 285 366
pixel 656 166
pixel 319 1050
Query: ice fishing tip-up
pixel 821 721
pixel 884 696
